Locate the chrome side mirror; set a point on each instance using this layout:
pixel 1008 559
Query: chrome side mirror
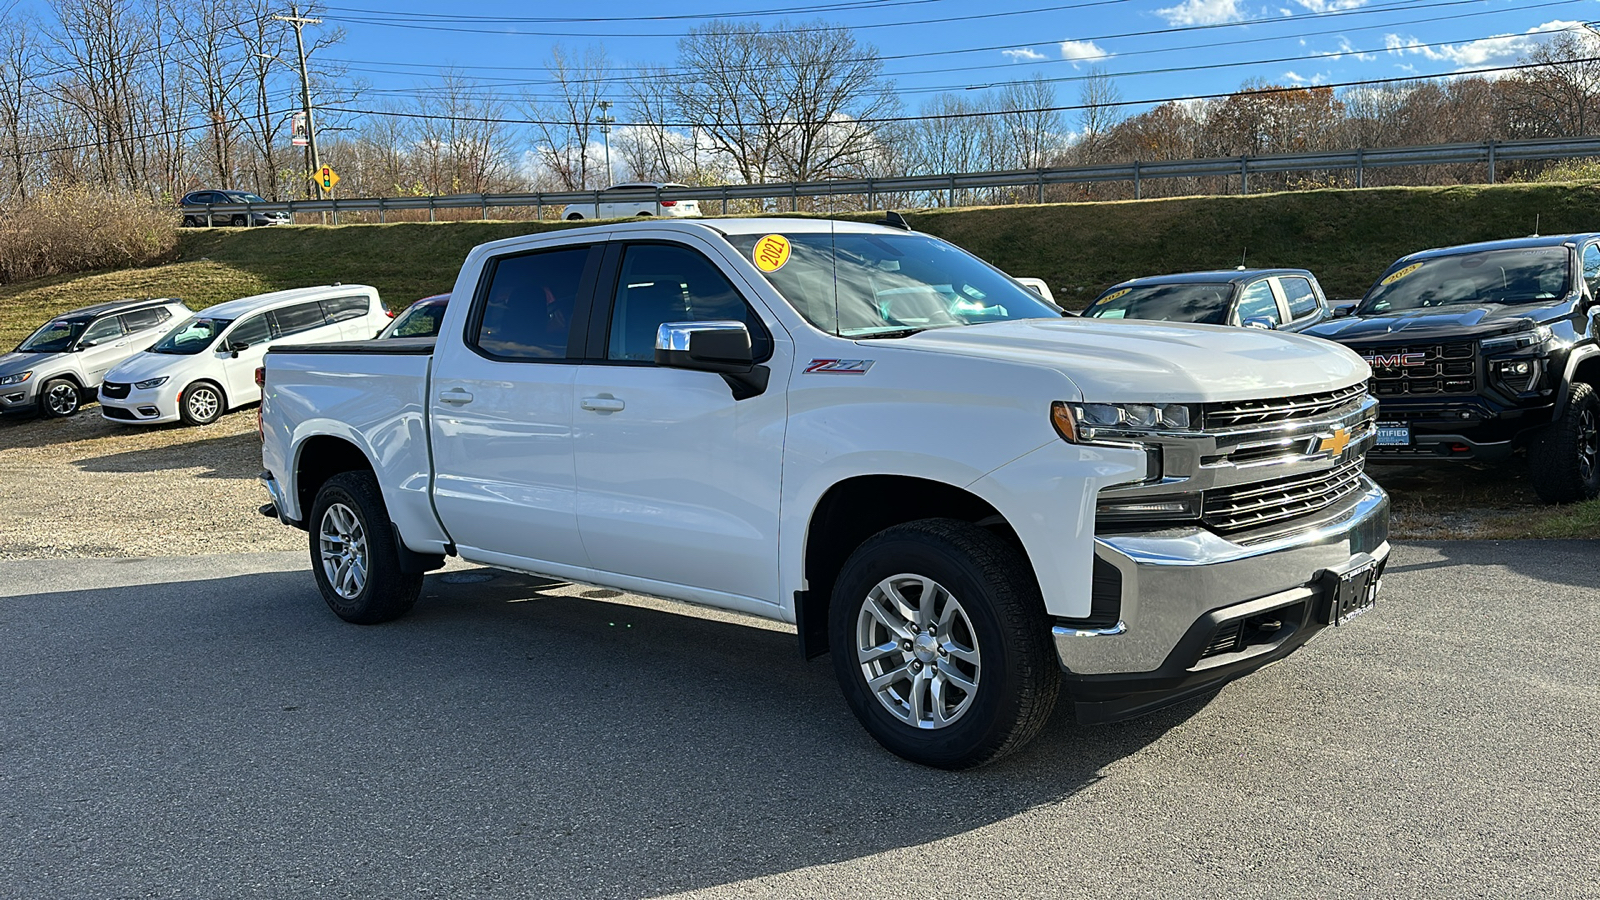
pixel 1261 322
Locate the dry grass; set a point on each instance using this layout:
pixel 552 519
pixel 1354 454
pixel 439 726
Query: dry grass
pixel 77 230
pixel 1463 501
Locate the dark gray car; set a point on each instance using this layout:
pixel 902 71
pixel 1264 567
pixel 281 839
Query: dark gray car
pixel 61 363
pixel 199 208
pixel 1286 299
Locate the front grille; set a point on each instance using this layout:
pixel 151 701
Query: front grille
pixel 115 390
pixel 1281 409
pixel 1412 369
pixel 1235 509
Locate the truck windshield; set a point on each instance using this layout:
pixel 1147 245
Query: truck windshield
pixel 55 336
pixel 886 285
pixel 192 337
pixel 1206 303
pixel 1491 276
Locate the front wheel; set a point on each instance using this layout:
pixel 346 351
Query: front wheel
pixel 573 217
pixel 355 555
pixel 1564 462
pixel 941 644
pixel 59 398
pixel 240 221
pixel 201 403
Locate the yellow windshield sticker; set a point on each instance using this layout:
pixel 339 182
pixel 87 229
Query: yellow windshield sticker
pixel 1114 295
pixel 771 252
pixel 1396 276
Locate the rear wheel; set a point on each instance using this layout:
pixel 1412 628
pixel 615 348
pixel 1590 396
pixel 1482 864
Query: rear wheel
pixel 573 217
pixel 190 222
pixel 59 398
pixel 240 221
pixel 941 644
pixel 1564 463
pixel 355 554
pixel 201 403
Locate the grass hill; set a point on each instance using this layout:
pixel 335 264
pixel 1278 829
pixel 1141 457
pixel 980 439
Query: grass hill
pixel 1346 237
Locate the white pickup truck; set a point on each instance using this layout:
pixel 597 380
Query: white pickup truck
pixel 970 499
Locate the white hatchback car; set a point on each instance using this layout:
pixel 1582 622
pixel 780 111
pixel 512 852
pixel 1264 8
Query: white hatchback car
pixel 207 365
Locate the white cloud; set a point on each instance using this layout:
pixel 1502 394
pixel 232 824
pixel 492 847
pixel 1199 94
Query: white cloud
pixel 1297 79
pixel 1322 6
pixel 1082 50
pixel 1024 54
pixel 1503 49
pixel 1347 49
pixel 1201 12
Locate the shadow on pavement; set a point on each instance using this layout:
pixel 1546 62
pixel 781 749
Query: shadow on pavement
pixel 198 738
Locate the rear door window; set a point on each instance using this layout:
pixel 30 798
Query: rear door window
pixel 298 318
pixel 339 309
pixel 1297 292
pixel 142 319
pixel 526 308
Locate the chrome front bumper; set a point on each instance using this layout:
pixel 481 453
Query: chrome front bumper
pixel 1175 581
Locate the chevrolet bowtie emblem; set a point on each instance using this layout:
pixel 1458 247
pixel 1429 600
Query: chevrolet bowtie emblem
pixel 1335 443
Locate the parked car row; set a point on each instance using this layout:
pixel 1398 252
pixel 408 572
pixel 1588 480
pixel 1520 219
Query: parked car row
pixel 153 361
pixel 1476 351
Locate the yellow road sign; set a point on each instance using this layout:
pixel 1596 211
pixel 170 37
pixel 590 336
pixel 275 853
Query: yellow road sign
pixel 327 177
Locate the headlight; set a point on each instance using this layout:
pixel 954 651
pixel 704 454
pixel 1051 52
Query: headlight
pixel 18 378
pixel 1530 338
pixel 149 383
pixel 1083 423
pixel 1134 509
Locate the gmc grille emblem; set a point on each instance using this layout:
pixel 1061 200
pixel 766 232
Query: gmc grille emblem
pixel 1396 360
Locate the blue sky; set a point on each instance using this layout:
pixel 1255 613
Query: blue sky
pixel 1154 49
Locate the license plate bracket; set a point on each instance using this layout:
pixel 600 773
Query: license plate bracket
pixel 1394 434
pixel 1350 591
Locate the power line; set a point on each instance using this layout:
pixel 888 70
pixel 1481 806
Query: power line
pixel 388 22
pixel 886 120
pixel 734 14
pixel 1309 57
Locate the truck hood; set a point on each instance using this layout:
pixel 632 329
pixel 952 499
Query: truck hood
pixel 1453 323
pixel 1128 361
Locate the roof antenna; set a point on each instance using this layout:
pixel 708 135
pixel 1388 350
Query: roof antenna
pixel 895 220
pixel 1535 225
pixel 1242 257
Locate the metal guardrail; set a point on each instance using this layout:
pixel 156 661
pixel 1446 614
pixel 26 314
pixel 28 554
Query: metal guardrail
pixel 1489 154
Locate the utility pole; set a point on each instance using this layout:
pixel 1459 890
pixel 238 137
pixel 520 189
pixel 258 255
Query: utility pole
pixel 605 121
pixel 313 161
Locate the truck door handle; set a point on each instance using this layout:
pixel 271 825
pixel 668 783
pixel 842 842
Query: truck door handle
pixel 602 404
pixel 455 395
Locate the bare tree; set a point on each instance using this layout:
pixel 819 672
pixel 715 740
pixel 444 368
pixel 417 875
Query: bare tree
pixel 794 103
pixel 564 128
pixel 1100 112
pixel 18 61
pixel 99 43
pixel 1562 98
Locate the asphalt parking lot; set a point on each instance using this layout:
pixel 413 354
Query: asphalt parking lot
pixel 201 726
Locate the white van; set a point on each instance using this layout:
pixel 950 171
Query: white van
pixel 207 365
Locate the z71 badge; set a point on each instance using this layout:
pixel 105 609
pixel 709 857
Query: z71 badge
pixel 838 367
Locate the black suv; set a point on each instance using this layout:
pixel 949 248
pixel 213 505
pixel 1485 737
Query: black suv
pixel 1483 349
pixel 198 209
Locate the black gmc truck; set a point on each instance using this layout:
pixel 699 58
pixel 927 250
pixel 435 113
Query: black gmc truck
pixel 1484 349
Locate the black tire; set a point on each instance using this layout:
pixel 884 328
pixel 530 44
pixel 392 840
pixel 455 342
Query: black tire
pixel 1564 461
pixel 191 222
pixel 240 221
pixel 59 398
pixel 382 593
pixel 1013 669
pixel 573 217
pixel 202 403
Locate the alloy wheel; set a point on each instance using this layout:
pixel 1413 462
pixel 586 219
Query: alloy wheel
pixel 343 543
pixel 918 652
pixel 203 403
pixel 62 400
pixel 1588 444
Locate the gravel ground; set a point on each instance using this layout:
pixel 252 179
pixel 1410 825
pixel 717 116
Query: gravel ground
pixel 85 486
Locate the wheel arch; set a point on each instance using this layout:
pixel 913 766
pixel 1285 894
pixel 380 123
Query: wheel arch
pixel 322 456
pixel 859 507
pixel 1583 365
